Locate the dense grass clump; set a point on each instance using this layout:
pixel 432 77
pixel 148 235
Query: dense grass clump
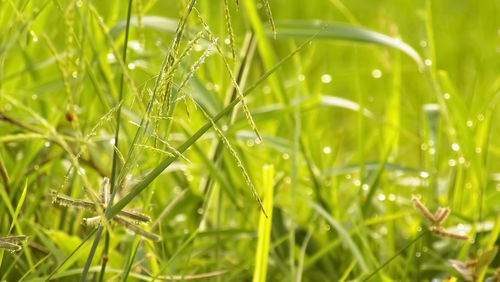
pixel 238 140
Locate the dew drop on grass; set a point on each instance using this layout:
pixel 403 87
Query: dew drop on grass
pixel 81 171
pixel 112 142
pixel 301 77
pixel 347 176
pixel 376 73
pixel 285 156
pixel 392 197
pixel 418 254
pixel 423 43
pixel 446 96
pixel 227 41
pixel 34 96
pixel 478 150
pixel 357 182
pixel 461 160
pixel 365 187
pixel 79 4
pixel 428 62
pixel 381 197
pixel 250 143
pixel 327 150
pixel 36 167
pixel 424 174
pixel 469 123
pixel 288 180
pixel 199 211
pixel 452 162
pixel 47 144
pixel 224 128
pixel 190 178
pixel 111 58
pixel 455 147
pixel 480 117
pixel 432 151
pixel 131 66
pixel 74 74
pixel 327 227
pixel 257 141
pixel 423 147
pixel 326 78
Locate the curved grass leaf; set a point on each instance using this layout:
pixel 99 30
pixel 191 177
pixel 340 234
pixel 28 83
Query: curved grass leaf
pixel 301 29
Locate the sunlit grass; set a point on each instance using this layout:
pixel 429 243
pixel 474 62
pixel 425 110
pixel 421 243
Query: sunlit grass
pixel 342 110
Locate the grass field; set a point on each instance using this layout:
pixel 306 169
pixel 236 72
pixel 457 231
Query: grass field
pixel 248 140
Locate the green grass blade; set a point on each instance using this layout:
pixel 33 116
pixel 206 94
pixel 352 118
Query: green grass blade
pixel 301 29
pixel 264 231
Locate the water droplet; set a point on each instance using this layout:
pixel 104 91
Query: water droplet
pixel 357 182
pixel 418 254
pixel 216 87
pixel 327 150
pixel 431 142
pixel 423 43
pixel 199 211
pixel 365 187
pixel 111 58
pixel 47 144
pixel 135 45
pixel 392 197
pixel 446 96
pixel 227 41
pixel 112 142
pixel 131 66
pixel 452 162
pixel 478 150
pixel 326 78
pixel 79 4
pixel 74 74
pixel 287 180
pixel 347 176
pixel 455 147
pixel 285 156
pixel 461 160
pixel 189 178
pixel 250 143
pixel 432 151
pixel 469 123
pixel 428 62
pixel 34 96
pixel 424 174
pixel 480 117
pixel 301 77
pixel 376 73
pixel 257 141
pixel 423 147
pixel 381 197
pixel 81 171
pixel 224 127
pixel 36 167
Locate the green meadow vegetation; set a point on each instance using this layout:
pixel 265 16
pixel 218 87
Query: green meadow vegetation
pixel 238 140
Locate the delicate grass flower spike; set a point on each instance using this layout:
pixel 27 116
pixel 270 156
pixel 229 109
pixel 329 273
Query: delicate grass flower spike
pixel 437 219
pixel 130 219
pixel 12 243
